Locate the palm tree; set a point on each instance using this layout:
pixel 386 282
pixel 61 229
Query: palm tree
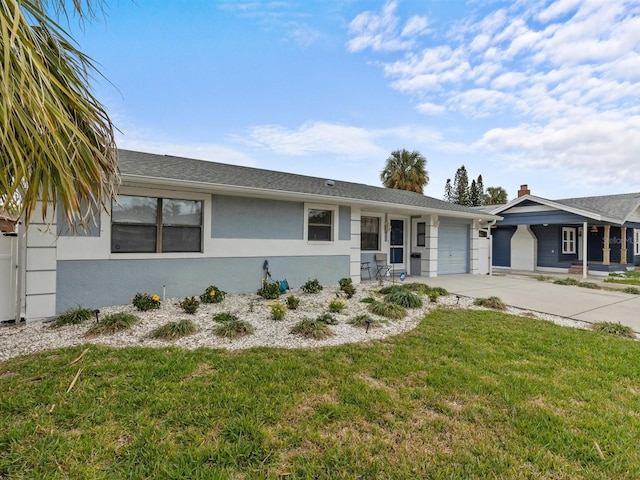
pixel 495 196
pixel 405 171
pixel 56 140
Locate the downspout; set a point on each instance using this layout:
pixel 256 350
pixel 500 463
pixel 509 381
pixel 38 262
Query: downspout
pixel 585 268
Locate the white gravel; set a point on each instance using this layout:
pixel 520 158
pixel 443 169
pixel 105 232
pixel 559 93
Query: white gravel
pixel 35 336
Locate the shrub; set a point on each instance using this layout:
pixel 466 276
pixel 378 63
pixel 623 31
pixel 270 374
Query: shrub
pixel 144 301
pixel 327 318
pixel 439 291
pixel 404 297
pixel 212 295
pixel 312 286
pixel 388 310
pixel 277 310
pixel 491 302
pixel 614 329
pixel 346 285
pixel 336 305
pixel 231 327
pixel 113 323
pixel 363 321
pixel 309 328
pixel 174 330
pixel 433 296
pixel 190 305
pixel 269 290
pixel 73 317
pixel 292 302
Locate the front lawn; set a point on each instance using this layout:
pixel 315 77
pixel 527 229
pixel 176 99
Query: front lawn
pixel 467 394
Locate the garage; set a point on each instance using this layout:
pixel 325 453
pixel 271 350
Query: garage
pixel 453 248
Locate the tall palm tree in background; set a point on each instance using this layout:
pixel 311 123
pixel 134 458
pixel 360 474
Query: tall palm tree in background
pixel 405 171
pixel 56 140
pixel 495 196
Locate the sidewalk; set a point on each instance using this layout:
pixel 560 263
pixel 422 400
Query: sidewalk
pixel 527 293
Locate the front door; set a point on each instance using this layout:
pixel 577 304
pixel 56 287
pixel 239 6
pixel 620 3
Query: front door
pixel 397 245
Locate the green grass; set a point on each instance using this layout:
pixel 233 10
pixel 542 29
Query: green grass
pixel 73 316
pixel 614 329
pixel 174 330
pixel 113 323
pixel 630 277
pixel 468 394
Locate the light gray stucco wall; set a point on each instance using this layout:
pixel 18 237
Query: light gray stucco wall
pixel 92 228
pixel 240 217
pixel 98 283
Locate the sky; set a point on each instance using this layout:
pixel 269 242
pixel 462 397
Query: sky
pixel 543 93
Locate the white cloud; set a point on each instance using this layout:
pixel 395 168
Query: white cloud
pixel 382 31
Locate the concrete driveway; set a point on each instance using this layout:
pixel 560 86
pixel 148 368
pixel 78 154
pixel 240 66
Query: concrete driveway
pixel 524 292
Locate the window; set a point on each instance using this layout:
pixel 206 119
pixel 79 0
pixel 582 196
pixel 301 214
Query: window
pixel 421 234
pixel 369 233
pixel 636 243
pixel 155 225
pixel 568 240
pixel 320 226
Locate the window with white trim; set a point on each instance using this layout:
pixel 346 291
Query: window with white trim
pixel 421 234
pixel 370 233
pixel 320 225
pixel 636 243
pixel 568 240
pixel 155 225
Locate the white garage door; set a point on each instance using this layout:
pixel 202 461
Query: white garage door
pixel 453 249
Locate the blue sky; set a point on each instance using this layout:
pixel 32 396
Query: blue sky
pixel 543 93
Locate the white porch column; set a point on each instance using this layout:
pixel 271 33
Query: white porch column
pixel 585 267
pixel 354 248
pixel 429 261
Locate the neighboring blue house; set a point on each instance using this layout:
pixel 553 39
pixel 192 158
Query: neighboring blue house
pixel 594 235
pixel 180 225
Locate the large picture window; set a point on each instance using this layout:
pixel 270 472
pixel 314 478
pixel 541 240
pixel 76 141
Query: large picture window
pixel 369 233
pixel 568 240
pixel 320 226
pixel 155 225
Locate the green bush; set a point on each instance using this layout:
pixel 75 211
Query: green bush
pixel 614 329
pixel 269 290
pixel 73 316
pixel 174 330
pixel 346 285
pixel 327 318
pixel 404 297
pixel 278 310
pixel 315 329
pixel 113 323
pixel 189 305
pixel 212 294
pixel 292 302
pixel 312 286
pixel 491 302
pixel 388 310
pixel 336 305
pixel 144 302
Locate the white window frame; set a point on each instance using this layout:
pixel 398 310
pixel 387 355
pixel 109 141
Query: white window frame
pixel 334 222
pixel 636 243
pixel 569 239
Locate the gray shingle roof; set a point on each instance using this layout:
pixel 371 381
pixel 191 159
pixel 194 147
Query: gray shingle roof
pixel 616 206
pixel 167 167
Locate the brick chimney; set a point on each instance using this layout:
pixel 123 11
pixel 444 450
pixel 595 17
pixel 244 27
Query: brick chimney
pixel 524 190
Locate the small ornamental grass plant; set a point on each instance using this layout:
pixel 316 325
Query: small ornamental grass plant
pixel 368 300
pixel 336 305
pixel 269 290
pixel 231 326
pixel 363 321
pixel 278 310
pixel 212 294
pixel 73 316
pixel 404 297
pixel 312 328
pixel 189 305
pixel 614 329
pixel 113 323
pixel 174 330
pixel 491 302
pixel 312 286
pixel 144 302
pixel 392 311
pixel 293 302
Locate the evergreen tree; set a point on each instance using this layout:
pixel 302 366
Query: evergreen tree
pixel 474 194
pixel 448 191
pixel 461 187
pixel 480 187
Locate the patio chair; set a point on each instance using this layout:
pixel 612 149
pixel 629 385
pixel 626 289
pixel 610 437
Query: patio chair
pixel 382 267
